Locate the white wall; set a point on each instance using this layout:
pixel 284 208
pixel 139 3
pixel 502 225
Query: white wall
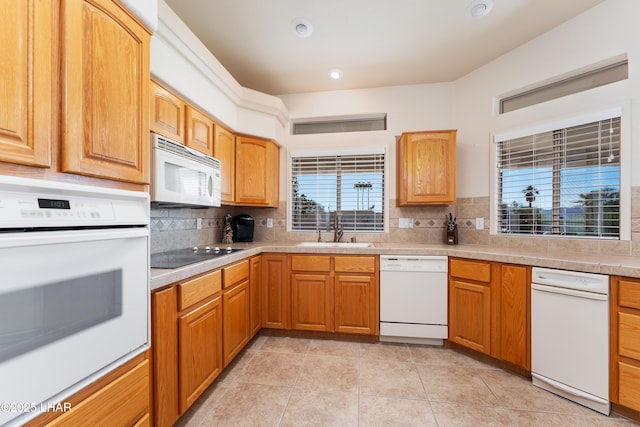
pixel 181 62
pixel 408 108
pixel 605 31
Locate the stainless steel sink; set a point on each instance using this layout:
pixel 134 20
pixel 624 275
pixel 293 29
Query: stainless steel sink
pixel 334 245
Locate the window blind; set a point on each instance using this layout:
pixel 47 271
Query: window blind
pixel 351 185
pixel 561 182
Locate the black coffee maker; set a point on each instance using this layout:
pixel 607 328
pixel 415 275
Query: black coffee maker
pixel 242 226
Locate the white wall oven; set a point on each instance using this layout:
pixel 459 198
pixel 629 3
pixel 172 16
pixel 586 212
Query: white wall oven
pixel 74 293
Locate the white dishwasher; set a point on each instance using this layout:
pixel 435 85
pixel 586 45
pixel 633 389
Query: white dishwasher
pixel 570 335
pixel 413 299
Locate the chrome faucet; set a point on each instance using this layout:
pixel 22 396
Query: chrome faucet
pixel 337 228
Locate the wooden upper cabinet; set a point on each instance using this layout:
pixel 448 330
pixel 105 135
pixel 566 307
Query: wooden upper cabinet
pixel 257 172
pixel 426 168
pixel 199 134
pixel 105 85
pixel 26 68
pixel 224 149
pixel 166 113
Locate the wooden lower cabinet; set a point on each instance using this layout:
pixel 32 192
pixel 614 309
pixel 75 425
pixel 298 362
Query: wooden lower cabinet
pixel 235 311
pixel 514 300
pixel 121 398
pixel 200 354
pixel 335 293
pixel 470 315
pixel 186 328
pixel 625 344
pixel 489 309
pixel 164 342
pixel 311 302
pixel 356 304
pixel 255 302
pixel 276 303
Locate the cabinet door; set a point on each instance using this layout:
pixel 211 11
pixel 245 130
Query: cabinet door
pixel 164 338
pixel 356 304
pixel 123 402
pixel 311 302
pixel 235 311
pixel 470 315
pixel 27 83
pixel 629 385
pixel 255 284
pixel 426 168
pixel 105 99
pixel 257 172
pixel 200 351
pixel 514 316
pixel 275 291
pixel 167 113
pixel 199 131
pixel 224 149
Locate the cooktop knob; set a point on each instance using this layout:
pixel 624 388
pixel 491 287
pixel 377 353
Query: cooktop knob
pixel 216 249
pixel 229 250
pixel 207 249
pixel 195 249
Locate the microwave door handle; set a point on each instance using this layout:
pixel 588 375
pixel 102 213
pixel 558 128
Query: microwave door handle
pixel 210 185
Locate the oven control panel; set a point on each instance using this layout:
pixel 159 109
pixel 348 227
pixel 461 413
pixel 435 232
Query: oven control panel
pixel 69 205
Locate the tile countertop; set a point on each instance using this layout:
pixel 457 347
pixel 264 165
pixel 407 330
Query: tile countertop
pixel 605 264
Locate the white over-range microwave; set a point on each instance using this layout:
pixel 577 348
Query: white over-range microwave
pixel 183 176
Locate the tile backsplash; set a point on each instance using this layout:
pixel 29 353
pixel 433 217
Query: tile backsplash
pixel 175 228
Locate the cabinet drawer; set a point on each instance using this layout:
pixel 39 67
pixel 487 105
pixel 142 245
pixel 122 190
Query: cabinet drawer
pixel 235 273
pixel 472 270
pixel 355 264
pixel 629 335
pixel 195 290
pixel 122 402
pixel 629 378
pixel 629 294
pixel 311 263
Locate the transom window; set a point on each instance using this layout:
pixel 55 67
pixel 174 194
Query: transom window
pixel 564 181
pixel 349 185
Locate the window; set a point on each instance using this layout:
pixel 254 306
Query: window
pixel 355 123
pixel 564 181
pixel 351 185
pixel 579 82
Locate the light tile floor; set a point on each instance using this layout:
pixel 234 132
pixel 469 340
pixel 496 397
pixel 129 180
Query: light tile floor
pixel 282 381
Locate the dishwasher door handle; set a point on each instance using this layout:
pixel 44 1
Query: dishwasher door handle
pixel 570 292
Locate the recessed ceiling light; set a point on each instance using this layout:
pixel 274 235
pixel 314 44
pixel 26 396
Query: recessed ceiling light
pixel 479 8
pixel 301 27
pixel 335 74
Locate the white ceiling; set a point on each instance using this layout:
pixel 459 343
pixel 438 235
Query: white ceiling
pixel 374 42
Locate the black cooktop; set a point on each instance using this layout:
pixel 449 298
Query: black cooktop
pixel 182 257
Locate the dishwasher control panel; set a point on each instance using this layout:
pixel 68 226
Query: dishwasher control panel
pixel 436 263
